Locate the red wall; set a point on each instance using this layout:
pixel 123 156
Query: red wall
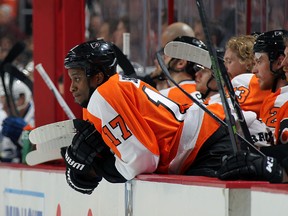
pixel 58 25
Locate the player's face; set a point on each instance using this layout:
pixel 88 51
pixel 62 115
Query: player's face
pixel 233 64
pixel 79 85
pixel 201 78
pixel 285 60
pixel 262 71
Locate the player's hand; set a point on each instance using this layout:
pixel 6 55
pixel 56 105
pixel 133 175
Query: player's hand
pixel 12 127
pixel 80 177
pixel 87 144
pixel 249 166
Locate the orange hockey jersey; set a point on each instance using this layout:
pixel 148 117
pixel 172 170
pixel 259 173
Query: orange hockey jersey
pixel 146 131
pixel 248 92
pixel 175 94
pixel 273 112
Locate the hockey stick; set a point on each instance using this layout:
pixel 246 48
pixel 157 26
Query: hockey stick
pixel 219 79
pixel 215 117
pixel 18 48
pixel 124 62
pixel 37 157
pixel 49 139
pixel 188 52
pixel 16 73
pixel 51 131
pixel 166 72
pixel 52 87
pixel 222 76
pixel 126 44
pixel 54 144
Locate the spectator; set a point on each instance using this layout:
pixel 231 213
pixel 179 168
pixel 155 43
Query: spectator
pixel 8 24
pixel 122 27
pixel 95 22
pixel 106 30
pixel 157 78
pixel 217 33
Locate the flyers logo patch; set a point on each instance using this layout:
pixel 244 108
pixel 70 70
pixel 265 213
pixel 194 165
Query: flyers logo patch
pixel 94 45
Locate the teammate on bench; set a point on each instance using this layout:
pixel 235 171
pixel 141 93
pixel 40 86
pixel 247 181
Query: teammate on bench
pixel 270 58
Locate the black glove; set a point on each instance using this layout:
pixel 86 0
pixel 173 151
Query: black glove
pixel 80 177
pixel 89 149
pixel 87 144
pixel 249 166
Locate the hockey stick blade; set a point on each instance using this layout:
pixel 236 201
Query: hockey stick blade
pixel 51 131
pixel 55 144
pixel 36 157
pixel 188 52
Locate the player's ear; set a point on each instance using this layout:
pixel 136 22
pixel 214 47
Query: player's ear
pixel 97 79
pixel 181 64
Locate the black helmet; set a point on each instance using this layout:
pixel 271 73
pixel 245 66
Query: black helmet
pixel 272 43
pixel 94 57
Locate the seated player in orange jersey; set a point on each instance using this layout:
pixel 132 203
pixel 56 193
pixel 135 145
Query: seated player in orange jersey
pixel 132 128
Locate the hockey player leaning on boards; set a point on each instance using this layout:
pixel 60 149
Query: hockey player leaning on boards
pixel 138 130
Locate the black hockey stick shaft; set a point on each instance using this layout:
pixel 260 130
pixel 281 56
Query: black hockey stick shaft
pixel 167 74
pixel 215 66
pixel 13 53
pixel 237 108
pixel 15 72
pixel 223 76
pixel 18 48
pixel 215 117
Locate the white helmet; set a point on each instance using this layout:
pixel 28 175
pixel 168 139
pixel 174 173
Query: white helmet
pixel 18 89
